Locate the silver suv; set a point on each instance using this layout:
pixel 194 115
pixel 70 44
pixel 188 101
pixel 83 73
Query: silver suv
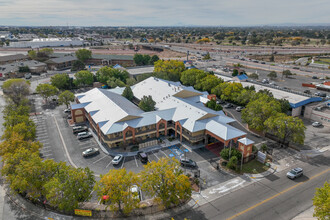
pixel 83 135
pixel 294 173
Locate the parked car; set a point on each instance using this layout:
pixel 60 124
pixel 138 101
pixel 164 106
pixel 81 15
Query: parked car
pixel 228 105
pixel 27 75
pixel 90 152
pixel 83 135
pixel 323 95
pixel 307 91
pixel 67 110
pixel 239 108
pixel 263 62
pixel 294 173
pixel 143 157
pixel 219 101
pixel 185 162
pixel 296 68
pixel 117 159
pixel 69 116
pixel 265 81
pixel 316 124
pixel 314 77
pixel 136 192
pixel 79 129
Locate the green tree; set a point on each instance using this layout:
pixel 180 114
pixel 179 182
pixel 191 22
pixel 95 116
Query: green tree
pixel 117 185
pixel 254 76
pixel 286 73
pixel 272 75
pixel 47 51
pixel 192 76
pixel 165 180
pixel 26 129
pixel 208 83
pixel 69 186
pixel 285 105
pixel 321 202
pixel 32 54
pixel 153 59
pixel 147 104
pixel 130 81
pixel 235 72
pixel 83 78
pixel 30 174
pixel 207 57
pixel 23 69
pixel 286 128
pixel 104 74
pixel 60 81
pixel 78 65
pixel 232 163
pixel 46 91
pixel 128 93
pixel 66 97
pixel 16 89
pixel 83 55
pixel 13 119
pixel 15 142
pixel 258 111
pixel 146 59
pixel 138 59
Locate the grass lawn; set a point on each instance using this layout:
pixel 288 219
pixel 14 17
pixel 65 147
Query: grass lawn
pixel 254 167
pixel 323 61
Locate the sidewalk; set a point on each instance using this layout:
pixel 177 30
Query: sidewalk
pixel 306 215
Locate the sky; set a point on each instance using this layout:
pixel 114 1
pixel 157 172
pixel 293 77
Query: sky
pixel 162 12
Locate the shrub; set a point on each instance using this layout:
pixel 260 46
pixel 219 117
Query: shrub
pixel 232 162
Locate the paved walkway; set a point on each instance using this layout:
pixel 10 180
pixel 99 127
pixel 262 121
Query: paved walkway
pixel 306 215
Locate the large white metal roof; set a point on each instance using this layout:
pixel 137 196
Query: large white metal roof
pixel 174 102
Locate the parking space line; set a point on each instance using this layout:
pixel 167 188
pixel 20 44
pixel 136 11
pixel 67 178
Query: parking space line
pixel 46 147
pixel 100 159
pixel 122 163
pixel 45 151
pixel 42 136
pixel 51 158
pixel 109 164
pixel 46 155
pixel 163 153
pixel 155 155
pixel 136 161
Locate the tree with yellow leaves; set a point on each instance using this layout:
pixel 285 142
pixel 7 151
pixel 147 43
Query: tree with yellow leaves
pixel 116 184
pixel 165 180
pixel 321 201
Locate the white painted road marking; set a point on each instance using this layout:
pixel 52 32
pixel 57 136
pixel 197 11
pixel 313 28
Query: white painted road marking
pixel 136 161
pixel 155 155
pixel 100 159
pixel 108 164
pixel 163 153
pixel 122 163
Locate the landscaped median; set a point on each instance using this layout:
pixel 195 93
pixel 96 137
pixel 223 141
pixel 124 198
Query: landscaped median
pixel 234 162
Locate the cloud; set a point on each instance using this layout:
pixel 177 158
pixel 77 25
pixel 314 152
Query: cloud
pixel 162 13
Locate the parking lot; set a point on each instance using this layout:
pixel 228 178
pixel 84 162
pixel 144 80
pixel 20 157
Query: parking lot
pixel 52 127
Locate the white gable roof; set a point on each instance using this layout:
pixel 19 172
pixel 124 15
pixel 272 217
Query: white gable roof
pixel 174 102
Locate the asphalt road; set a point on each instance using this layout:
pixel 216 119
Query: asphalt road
pixel 275 197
